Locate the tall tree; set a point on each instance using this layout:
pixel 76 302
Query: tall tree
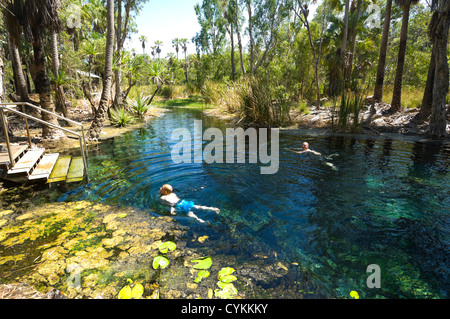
pixel 99 119
pixel 303 16
pixel 176 44
pixel 439 32
pixel 143 40
pixel 184 43
pixel 344 54
pixel 13 15
pixel 40 15
pixel 378 93
pixel 237 18
pixel 397 92
pixel 57 79
pixel 158 45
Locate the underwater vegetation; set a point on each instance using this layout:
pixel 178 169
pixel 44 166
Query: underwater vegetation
pixel 90 250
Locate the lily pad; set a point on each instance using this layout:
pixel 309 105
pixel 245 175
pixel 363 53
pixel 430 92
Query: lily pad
pixel 137 291
pixel 225 275
pixel 125 292
pixel 160 261
pixel 203 263
pixel 354 294
pixel 166 246
pixel 202 274
pixel 228 290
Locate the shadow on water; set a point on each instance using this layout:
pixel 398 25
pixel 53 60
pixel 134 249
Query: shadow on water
pixel 386 203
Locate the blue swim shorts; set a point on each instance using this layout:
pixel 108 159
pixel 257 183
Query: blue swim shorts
pixel 184 206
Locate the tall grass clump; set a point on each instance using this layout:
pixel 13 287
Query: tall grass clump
pixel 251 98
pixel 345 114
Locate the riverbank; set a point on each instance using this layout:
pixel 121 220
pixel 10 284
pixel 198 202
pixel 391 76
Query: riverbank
pixel 321 120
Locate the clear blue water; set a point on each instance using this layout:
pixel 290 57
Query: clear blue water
pixel 388 203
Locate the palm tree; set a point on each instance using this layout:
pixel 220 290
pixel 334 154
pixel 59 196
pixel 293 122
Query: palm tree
pixel 158 45
pixel 378 93
pixel 42 14
pixel 100 117
pixel 176 44
pixel 439 31
pixel 156 74
pixel 397 93
pixel 184 42
pixel 153 51
pixel 143 39
pixel 12 13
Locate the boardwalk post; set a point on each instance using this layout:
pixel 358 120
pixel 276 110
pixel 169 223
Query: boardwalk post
pixel 5 132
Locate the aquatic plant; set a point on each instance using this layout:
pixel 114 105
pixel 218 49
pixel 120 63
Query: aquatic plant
pixel 227 289
pixel 160 262
pixel 202 263
pixel 354 294
pixel 128 292
pixel 168 245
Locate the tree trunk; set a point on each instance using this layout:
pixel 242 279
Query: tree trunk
pixel 19 78
pixel 352 39
pixel 118 73
pixel 241 55
pixel 378 93
pixel 427 101
pixel 250 34
pixel 99 119
pixel 316 66
pixel 439 34
pixel 397 93
pixel 43 88
pixel 344 39
pixel 233 64
pixel 59 91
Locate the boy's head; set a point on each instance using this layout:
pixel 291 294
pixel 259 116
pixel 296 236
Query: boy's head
pixel 166 189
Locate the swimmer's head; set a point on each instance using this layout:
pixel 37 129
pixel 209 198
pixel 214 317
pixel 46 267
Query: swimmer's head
pixel 166 189
pixel 305 146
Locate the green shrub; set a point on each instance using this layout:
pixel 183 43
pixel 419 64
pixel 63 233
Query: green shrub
pixel 140 105
pixel 121 117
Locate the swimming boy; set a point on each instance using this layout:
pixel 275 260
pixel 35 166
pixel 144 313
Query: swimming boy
pixel 169 198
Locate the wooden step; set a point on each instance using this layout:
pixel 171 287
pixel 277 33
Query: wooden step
pixel 27 162
pixel 76 170
pixel 60 169
pixel 45 167
pixel 16 151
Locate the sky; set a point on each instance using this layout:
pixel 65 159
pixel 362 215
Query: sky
pixel 165 20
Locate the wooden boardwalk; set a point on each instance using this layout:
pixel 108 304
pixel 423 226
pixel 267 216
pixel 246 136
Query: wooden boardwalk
pixel 32 164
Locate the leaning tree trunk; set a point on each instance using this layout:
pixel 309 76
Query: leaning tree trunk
pixel 378 93
pixel 397 93
pixel 439 27
pixel 43 88
pixel 102 111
